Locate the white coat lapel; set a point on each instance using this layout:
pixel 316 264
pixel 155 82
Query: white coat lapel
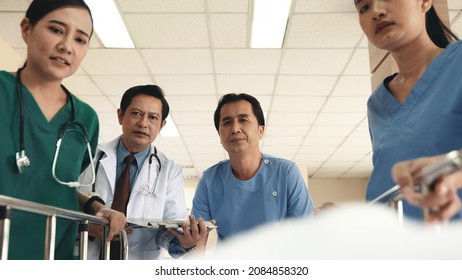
pixel 108 165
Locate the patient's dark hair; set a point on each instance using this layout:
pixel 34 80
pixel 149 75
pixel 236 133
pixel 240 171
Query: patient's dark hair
pixel 234 97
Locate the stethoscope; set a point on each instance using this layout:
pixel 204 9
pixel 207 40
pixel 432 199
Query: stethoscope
pixel 22 161
pixel 149 187
pixel 146 187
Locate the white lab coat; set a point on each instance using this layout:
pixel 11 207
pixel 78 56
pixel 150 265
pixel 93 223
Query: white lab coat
pixel 168 203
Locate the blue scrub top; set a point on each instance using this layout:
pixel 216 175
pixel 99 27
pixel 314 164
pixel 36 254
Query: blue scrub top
pixel 429 122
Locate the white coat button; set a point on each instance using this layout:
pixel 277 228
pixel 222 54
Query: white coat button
pixel 275 193
pixel 266 161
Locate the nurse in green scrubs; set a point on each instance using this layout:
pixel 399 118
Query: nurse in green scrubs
pixel 57 35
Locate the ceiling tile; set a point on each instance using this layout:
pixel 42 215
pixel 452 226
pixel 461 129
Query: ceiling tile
pixel 99 103
pixel 186 84
pixel 116 85
pixel 310 149
pixel 357 141
pixel 297 103
pixel 353 86
pixel 286 130
pixel 161 6
pixel 361 132
pixel 286 152
pixel 175 142
pixel 81 85
pixel 346 104
pixel 178 61
pixel 196 130
pixel 265 101
pixel 286 140
pixel 251 84
pixel 211 158
pixel 228 30
pixel 364 44
pixel 318 131
pixel 202 140
pixel 359 63
pixel 455 4
pixel 456 24
pixel 246 61
pixel 286 118
pixel 168 30
pixel 193 118
pixel 192 103
pixel 226 6
pixel 324 31
pixel 358 150
pixel 341 156
pixel 323 141
pixel 315 6
pixel 206 149
pixel 305 85
pixel 337 119
pixel 114 62
pixel 314 61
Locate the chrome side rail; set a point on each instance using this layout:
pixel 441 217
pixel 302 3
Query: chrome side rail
pixel 7 204
pixel 424 182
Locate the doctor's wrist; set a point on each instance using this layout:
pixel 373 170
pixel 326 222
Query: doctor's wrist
pixel 88 208
pixel 177 250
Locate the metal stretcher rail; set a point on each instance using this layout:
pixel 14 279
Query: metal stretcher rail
pixel 394 199
pixel 7 204
pixel 425 181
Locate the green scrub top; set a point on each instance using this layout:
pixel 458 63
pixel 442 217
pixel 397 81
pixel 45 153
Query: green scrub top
pixel 36 183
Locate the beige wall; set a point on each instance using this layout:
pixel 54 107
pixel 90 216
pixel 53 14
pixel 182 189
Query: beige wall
pixel 338 191
pixel 9 58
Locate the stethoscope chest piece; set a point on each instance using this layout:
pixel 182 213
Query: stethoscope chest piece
pixel 22 161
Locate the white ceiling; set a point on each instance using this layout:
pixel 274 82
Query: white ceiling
pixel 314 89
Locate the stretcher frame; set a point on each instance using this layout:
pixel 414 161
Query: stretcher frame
pixel 8 204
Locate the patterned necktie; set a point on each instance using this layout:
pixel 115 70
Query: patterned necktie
pixel 123 189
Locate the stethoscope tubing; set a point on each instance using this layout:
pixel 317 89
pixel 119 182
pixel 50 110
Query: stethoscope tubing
pixel 21 158
pixel 145 186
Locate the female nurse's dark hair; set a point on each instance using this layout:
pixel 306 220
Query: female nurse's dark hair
pixel 40 8
pixel 150 90
pixel 233 97
pixel 438 32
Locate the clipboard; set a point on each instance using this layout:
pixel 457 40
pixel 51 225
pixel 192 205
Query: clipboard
pixel 159 224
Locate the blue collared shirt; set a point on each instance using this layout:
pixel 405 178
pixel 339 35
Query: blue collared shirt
pixel 135 168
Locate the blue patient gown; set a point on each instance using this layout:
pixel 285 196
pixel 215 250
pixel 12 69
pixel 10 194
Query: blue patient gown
pixel 276 192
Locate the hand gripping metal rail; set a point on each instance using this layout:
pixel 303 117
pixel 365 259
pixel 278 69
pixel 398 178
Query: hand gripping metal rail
pixel 425 182
pixel 7 204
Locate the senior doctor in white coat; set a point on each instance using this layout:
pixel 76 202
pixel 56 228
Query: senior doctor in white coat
pixel 157 187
